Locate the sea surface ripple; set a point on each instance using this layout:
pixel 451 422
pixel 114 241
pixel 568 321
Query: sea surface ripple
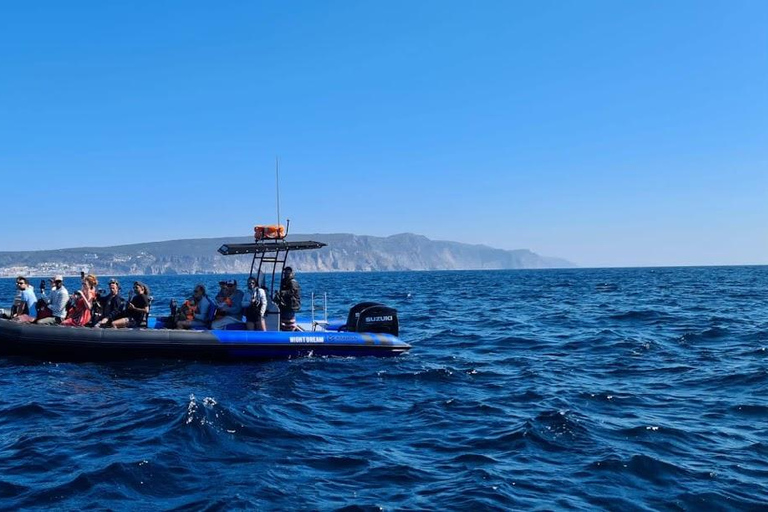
pixel 624 389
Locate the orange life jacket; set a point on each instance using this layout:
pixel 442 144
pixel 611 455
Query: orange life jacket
pixel 228 302
pixel 190 310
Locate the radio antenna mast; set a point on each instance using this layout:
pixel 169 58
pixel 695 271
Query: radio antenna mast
pixel 277 187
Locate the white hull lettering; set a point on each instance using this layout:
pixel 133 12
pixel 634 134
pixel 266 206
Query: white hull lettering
pixel 379 318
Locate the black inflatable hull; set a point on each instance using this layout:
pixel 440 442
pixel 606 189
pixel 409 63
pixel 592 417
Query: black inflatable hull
pixel 94 344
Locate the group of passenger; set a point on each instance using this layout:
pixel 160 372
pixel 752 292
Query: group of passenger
pixel 86 307
pixel 91 307
pixel 232 305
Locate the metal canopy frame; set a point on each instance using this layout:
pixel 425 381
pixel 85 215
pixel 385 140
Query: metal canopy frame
pixel 268 246
pixel 269 251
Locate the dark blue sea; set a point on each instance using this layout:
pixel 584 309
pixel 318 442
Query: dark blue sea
pixel 622 389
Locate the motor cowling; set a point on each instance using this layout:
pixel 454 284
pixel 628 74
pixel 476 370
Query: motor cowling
pixel 377 318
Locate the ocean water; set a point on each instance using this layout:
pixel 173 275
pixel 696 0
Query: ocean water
pixel 625 389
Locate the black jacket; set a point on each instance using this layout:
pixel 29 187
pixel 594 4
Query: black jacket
pixel 289 296
pixel 112 306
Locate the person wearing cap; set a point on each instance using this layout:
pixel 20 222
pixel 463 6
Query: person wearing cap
pixel 231 307
pixel 111 305
pixel 57 301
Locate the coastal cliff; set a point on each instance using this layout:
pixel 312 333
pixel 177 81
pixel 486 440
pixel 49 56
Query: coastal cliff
pixel 344 252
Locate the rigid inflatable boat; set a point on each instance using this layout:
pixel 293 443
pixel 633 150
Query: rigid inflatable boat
pixel 53 342
pixel 371 329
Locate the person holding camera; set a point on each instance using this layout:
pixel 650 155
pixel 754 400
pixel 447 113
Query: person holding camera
pixel 57 301
pixel 254 306
pixel 230 308
pixel 80 314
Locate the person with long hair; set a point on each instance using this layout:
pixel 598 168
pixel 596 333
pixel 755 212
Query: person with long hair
pixel 254 306
pixel 137 309
pixel 80 314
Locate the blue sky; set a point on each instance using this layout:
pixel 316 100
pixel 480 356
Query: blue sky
pixel 609 133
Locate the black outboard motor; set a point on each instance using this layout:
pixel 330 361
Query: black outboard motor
pixel 372 317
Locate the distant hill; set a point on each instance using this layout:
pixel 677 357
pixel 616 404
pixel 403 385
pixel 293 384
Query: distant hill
pixel 345 252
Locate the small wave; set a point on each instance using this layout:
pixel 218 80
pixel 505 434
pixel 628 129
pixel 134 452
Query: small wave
pixel 339 462
pixel 657 432
pixel 425 375
pixel 400 474
pixel 735 380
pixel 758 410
pixel 709 334
pixel 559 428
pixel 719 501
pixel 641 314
pixel 134 477
pixel 611 397
pixel 11 490
pixel 474 459
pixel 645 467
pixel 24 412
pixel 359 508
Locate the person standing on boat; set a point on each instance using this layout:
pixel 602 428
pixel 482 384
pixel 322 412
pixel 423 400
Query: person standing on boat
pixel 231 307
pixel 57 301
pixel 288 300
pixel 254 306
pixel 80 315
pixel 137 309
pixel 199 319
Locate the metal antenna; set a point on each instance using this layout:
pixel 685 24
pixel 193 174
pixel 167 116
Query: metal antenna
pixel 277 187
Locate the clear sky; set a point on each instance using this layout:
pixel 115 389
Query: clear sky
pixel 605 132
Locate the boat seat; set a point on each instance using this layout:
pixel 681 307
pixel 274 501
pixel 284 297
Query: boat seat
pixel 145 318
